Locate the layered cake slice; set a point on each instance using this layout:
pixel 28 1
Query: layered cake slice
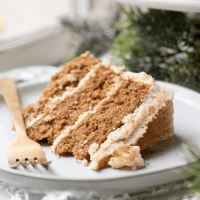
pixel 100 114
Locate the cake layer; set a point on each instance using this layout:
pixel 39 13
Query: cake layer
pixel 64 111
pixel 66 132
pixel 107 117
pixel 134 127
pixel 160 128
pixel 70 76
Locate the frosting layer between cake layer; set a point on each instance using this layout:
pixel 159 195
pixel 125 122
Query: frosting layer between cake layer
pixel 98 113
pixel 68 78
pixel 63 111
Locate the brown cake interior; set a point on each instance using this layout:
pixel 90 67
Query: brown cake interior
pixel 160 128
pixel 78 67
pixel 67 112
pixel 87 101
pixel 108 117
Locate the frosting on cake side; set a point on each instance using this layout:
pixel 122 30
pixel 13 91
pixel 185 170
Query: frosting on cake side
pixel 100 114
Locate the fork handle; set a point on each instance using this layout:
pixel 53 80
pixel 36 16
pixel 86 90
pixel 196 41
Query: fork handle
pixel 9 92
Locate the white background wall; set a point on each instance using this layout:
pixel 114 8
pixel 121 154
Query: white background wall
pixel 21 16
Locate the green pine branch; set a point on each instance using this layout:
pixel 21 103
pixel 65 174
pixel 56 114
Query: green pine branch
pixel 95 39
pixel 164 44
pixel 193 169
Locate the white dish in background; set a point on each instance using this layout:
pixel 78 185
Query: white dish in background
pixel 65 174
pixel 172 5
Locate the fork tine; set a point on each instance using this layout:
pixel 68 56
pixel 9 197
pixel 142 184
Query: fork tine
pixel 13 164
pixel 23 162
pixel 32 161
pixel 43 161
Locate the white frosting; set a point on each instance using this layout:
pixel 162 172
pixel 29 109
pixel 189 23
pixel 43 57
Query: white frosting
pixel 57 99
pixel 134 124
pixel 47 118
pixel 54 101
pixel 155 101
pixel 132 129
pixel 131 158
pixel 84 162
pixel 141 77
pixel 85 54
pixel 33 120
pixel 67 131
pixel 70 77
pixel 117 70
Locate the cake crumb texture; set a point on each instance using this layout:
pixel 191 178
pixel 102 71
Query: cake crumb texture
pixel 69 76
pixel 108 117
pixel 100 114
pixel 160 128
pixel 67 111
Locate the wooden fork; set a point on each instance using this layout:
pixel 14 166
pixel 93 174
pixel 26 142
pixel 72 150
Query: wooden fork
pixel 23 148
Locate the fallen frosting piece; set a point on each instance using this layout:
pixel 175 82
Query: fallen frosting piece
pixel 126 156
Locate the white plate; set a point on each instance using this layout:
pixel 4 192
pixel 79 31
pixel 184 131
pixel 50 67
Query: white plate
pixel 65 174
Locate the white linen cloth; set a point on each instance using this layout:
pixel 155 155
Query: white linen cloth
pixel 172 191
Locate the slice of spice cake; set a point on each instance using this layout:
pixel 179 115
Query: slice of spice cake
pixel 101 114
pixel 51 113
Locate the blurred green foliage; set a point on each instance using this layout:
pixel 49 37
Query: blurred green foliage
pixel 164 44
pixel 94 38
pixel 192 169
